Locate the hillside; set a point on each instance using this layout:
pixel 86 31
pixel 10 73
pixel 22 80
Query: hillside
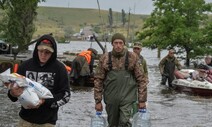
pixel 58 20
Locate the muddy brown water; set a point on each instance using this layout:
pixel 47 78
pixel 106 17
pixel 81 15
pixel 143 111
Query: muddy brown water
pixel 167 108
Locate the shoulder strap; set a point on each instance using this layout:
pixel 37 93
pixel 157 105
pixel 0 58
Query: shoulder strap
pixel 141 58
pixel 110 61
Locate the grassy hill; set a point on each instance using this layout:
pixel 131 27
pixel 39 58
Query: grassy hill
pixel 58 20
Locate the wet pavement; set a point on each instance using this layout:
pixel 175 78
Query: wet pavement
pixel 167 108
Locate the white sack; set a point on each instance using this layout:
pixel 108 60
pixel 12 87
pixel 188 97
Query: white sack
pixel 29 98
pixel 33 91
pixel 6 77
pixel 41 91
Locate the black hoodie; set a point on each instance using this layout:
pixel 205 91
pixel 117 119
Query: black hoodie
pixel 53 76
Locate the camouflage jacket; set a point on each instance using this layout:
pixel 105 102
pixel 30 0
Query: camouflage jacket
pixel 143 65
pixel 167 59
pixel 119 64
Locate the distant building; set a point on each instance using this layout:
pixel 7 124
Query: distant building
pixel 85 33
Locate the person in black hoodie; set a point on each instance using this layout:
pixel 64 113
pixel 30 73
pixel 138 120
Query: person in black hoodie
pixel 43 66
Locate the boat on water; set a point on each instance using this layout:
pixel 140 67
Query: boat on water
pixel 193 87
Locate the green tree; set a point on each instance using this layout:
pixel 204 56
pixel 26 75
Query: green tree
pixel 123 17
pixel 110 19
pixel 178 23
pixel 2 4
pixel 17 25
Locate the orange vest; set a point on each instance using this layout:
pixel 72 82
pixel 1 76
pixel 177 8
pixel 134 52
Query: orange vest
pixel 68 69
pixel 15 68
pixel 87 55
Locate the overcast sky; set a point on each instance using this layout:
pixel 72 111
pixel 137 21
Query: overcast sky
pixel 136 6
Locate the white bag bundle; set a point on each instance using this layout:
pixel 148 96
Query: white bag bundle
pixel 29 98
pixel 41 91
pixel 33 91
pixel 7 77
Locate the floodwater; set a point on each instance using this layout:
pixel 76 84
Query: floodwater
pixel 167 108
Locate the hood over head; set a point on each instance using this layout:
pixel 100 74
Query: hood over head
pixel 46 42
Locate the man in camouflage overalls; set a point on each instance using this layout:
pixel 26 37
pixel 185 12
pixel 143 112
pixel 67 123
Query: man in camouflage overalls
pixel 118 79
pixel 137 48
pixel 167 67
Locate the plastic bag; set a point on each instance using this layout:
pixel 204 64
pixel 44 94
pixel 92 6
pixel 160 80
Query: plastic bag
pixel 7 77
pixel 29 98
pixel 33 91
pixel 41 90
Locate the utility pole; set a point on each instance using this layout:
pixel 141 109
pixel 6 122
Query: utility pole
pixel 68 3
pixel 103 28
pixel 102 21
pixel 128 29
pixel 133 28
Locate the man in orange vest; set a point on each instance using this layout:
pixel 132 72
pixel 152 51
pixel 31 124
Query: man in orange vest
pixel 82 66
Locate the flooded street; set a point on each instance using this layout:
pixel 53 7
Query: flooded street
pixel 167 108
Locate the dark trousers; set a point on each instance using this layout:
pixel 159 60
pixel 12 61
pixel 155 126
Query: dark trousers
pixel 170 79
pixel 79 81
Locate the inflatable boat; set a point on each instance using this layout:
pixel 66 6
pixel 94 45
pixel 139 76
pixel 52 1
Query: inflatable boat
pixel 194 87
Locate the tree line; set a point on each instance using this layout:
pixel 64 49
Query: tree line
pixel 182 24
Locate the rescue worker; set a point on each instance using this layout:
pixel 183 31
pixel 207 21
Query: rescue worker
pixel 82 66
pixel 167 67
pixel 118 79
pixel 137 48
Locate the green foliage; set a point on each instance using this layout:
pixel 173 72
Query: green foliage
pixel 20 27
pixel 178 23
pixel 110 17
pixel 17 26
pixel 2 3
pixel 123 17
pixel 97 29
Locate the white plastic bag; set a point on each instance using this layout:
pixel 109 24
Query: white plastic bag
pixel 7 77
pixel 33 91
pixel 41 91
pixel 29 98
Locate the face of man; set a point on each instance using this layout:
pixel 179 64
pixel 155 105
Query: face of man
pixel 44 55
pixel 137 50
pixel 171 53
pixel 118 45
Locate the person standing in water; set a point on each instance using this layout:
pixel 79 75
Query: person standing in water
pixel 167 67
pixel 43 63
pixel 118 79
